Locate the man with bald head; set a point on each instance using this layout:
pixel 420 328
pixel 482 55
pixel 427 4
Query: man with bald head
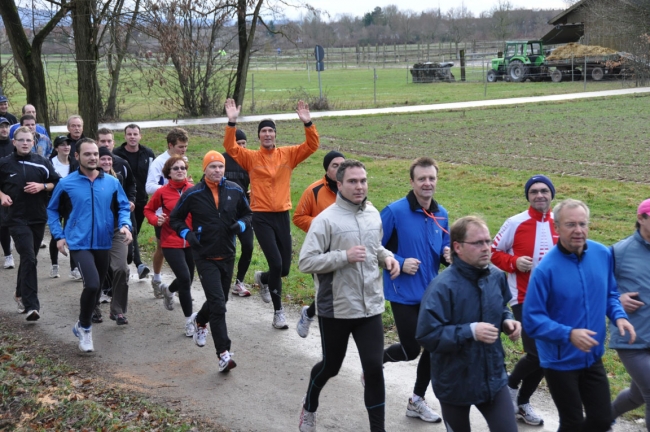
pixel 29 109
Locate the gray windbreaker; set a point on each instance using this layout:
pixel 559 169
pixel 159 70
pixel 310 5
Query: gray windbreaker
pixel 345 290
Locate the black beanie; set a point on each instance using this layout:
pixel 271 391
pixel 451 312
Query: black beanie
pixel 104 151
pixel 327 160
pixel 265 123
pixel 240 135
pixel 539 178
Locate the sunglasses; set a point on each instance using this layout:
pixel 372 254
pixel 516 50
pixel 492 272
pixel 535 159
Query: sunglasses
pixel 176 168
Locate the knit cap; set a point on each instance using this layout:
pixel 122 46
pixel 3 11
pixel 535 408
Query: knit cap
pixel 329 157
pixel 539 178
pixel 212 156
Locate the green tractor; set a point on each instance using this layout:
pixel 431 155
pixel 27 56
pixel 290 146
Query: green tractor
pixel 522 60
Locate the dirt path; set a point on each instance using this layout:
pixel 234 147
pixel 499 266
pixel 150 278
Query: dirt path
pixel 263 393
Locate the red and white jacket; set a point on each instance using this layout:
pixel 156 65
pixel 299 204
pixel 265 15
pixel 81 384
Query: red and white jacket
pixel 530 233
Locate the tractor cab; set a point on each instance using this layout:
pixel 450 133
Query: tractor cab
pixel 521 60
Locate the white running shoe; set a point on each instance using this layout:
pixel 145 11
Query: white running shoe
pixel 190 325
pixel 19 303
pixel 200 335
pixel 157 290
pixel 264 288
pixel 513 396
pixel 307 419
pixel 527 414
pixel 302 327
pixel 54 272
pixel 279 320
pixel 143 271
pixel 168 297
pixel 240 289
pixel 85 337
pixel 421 410
pixel 9 262
pixel 226 363
pixel 75 274
pixel 103 298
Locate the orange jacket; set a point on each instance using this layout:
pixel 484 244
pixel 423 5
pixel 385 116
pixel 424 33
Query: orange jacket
pixel 316 198
pixel 270 170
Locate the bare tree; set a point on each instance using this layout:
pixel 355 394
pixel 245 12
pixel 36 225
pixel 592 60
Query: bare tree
pixel 501 25
pixel 459 24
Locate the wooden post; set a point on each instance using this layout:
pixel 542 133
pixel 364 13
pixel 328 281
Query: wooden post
pixel 462 65
pixel 384 54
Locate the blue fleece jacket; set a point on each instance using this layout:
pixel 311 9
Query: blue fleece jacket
pixel 568 292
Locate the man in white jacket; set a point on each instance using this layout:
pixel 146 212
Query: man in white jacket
pixel 343 250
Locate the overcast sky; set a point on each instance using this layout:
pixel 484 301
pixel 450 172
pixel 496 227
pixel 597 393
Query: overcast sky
pixel 360 7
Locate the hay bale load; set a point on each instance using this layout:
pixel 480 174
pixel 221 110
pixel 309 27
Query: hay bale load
pixel 574 50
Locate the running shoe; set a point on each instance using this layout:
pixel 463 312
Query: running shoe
pixel 226 363
pixel 307 419
pixel 157 290
pixel 190 326
pixel 421 410
pixel 302 327
pixel 527 414
pixel 9 262
pixel 97 316
pixel 104 298
pixel 43 244
pixel 513 396
pixel 75 274
pixel 200 335
pixel 240 289
pixel 279 320
pixel 19 303
pixel 264 288
pixel 143 271
pixel 85 337
pixel 121 320
pixel 33 315
pixel 54 273
pixel 168 297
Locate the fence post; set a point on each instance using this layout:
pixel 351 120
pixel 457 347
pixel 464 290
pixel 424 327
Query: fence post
pixel 384 45
pixel 407 73
pixel 584 74
pixel 374 79
pixel 253 92
pixel 462 65
pixel 484 78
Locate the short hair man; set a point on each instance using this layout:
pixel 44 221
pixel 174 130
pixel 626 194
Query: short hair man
pixel 213 246
pixel 4 106
pixel 518 247
pixel 90 238
pixel 139 157
pixel 75 126
pixel 316 198
pixel 343 249
pixel 416 230
pixel 569 293
pixel 29 109
pixel 631 257
pixel 235 173
pixel 25 180
pixel 42 143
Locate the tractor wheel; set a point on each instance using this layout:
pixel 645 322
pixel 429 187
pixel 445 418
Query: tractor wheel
pixel 556 76
pixel 597 73
pixel 492 76
pixel 517 71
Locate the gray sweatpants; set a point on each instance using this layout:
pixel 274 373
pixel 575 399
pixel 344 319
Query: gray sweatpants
pixel 121 274
pixel 637 364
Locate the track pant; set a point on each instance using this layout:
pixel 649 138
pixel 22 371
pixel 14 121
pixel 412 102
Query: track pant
pixel 406 321
pixel 54 251
pixel 137 217
pixel 27 241
pixel 120 274
pixel 527 371
pixel 246 242
pixel 497 413
pixel 273 232
pixel 93 265
pixel 5 240
pixel 571 390
pixel 637 364
pixel 182 264
pixel 368 334
pixel 215 278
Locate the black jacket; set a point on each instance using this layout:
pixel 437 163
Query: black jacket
pixel 212 225
pixel 6 148
pixel 235 173
pixel 127 179
pixel 15 172
pixel 140 171
pixel 12 118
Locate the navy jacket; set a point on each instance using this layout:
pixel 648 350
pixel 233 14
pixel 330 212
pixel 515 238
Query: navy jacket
pixel 140 171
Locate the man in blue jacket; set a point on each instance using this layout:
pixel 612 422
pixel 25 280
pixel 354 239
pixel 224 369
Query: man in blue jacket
pixel 416 230
pixel 569 293
pixel 94 202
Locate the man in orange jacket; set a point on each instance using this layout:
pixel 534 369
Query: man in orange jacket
pixel 270 170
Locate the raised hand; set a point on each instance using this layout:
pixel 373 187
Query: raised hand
pixel 232 110
pixel 303 112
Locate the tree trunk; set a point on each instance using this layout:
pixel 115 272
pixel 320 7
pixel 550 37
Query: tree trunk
pixel 245 45
pixel 87 57
pixel 28 57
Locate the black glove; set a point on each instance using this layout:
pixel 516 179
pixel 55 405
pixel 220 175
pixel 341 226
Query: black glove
pixel 190 237
pixel 235 228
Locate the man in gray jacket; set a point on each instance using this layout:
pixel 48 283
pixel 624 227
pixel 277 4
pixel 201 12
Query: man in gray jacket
pixel 343 250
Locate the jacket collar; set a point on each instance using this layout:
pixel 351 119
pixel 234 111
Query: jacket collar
pixel 330 184
pixel 28 156
pixel 568 253
pixel 538 215
pixel 341 201
pixel 638 237
pixel 469 271
pixel 415 205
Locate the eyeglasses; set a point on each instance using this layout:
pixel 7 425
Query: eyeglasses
pixel 573 225
pixel 539 191
pixel 176 168
pixel 24 140
pixel 478 243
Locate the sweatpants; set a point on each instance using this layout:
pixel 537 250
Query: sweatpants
pixel 527 371
pixel 497 413
pixel 406 321
pixel 246 242
pixel 637 364
pixel 93 265
pixel 273 232
pixel 215 276
pixel 182 264
pixel 5 240
pixel 368 334
pixel 571 390
pixel 27 241
pixel 120 274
